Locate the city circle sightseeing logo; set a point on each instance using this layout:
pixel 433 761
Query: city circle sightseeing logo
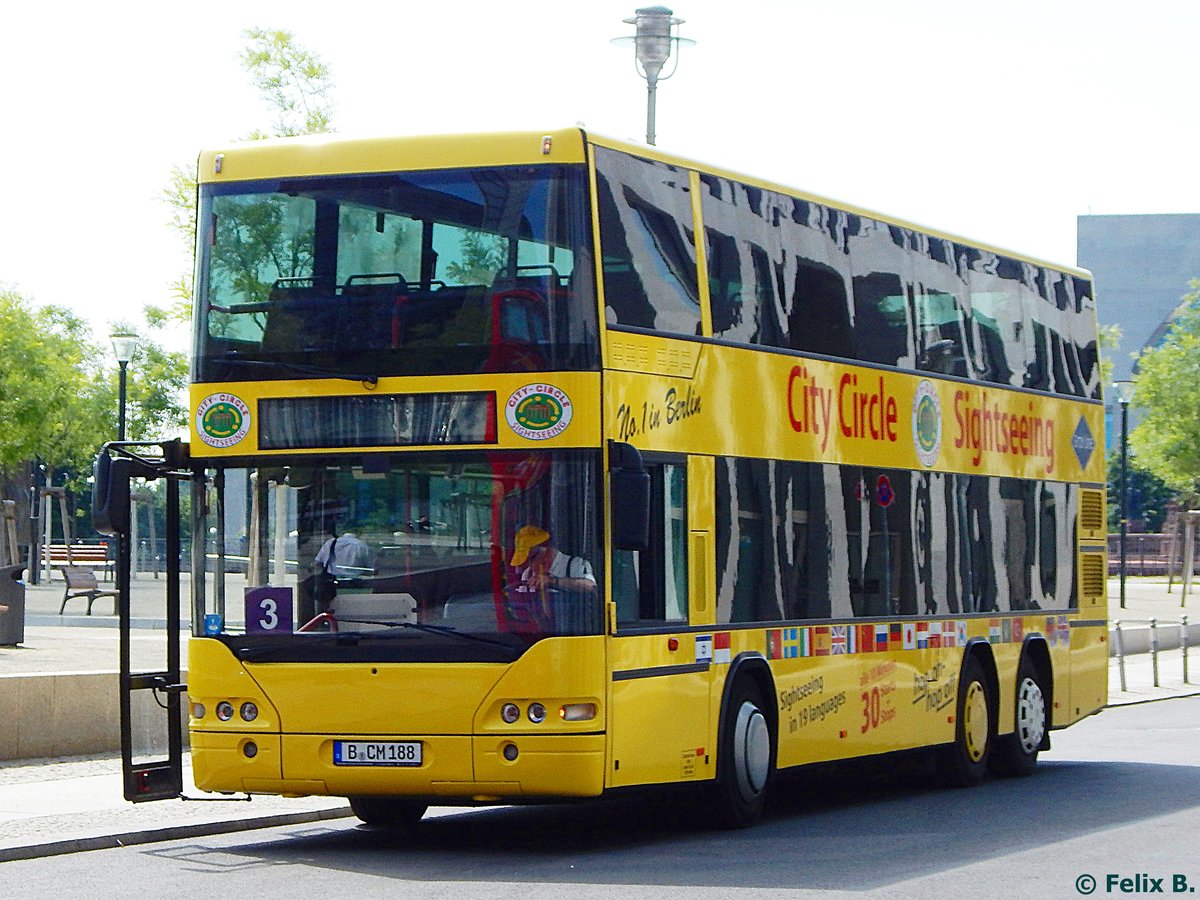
pixel 927 423
pixel 222 420
pixel 538 412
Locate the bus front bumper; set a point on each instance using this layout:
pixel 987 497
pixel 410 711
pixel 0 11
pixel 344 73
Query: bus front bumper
pixel 462 767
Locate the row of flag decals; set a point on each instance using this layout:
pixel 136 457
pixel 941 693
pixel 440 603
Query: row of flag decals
pixel 835 640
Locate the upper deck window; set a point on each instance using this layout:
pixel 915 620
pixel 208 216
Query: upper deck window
pixel 797 274
pixel 452 271
pixel 648 241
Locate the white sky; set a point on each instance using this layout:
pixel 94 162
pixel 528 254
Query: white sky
pixel 999 121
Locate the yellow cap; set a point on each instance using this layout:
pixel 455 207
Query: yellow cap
pixel 528 537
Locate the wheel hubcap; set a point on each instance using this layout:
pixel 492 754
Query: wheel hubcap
pixel 752 751
pixel 1031 716
pixel 975 722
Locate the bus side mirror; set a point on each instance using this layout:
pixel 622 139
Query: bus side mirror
pixel 629 487
pixel 110 494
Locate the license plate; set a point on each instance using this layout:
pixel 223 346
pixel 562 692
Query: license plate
pixel 377 753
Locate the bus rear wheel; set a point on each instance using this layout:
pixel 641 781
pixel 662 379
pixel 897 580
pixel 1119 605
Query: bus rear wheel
pixel 745 759
pixel 395 813
pixel 964 762
pixel 1016 754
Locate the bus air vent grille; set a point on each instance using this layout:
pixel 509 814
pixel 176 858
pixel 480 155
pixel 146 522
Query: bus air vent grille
pixel 1091 514
pixel 1092 576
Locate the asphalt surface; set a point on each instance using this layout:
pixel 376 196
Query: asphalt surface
pixel 66 805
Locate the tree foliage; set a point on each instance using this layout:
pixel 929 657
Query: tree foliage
pixel 1148 496
pixel 156 380
pixel 180 197
pixel 482 257
pixel 58 400
pixel 296 84
pixel 55 402
pixel 1167 394
pixel 1110 340
pixel 294 81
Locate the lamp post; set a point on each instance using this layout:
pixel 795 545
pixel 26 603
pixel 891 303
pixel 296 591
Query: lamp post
pixel 656 27
pixel 1123 391
pixel 124 344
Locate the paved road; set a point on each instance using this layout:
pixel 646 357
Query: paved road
pixel 64 805
pixel 1117 796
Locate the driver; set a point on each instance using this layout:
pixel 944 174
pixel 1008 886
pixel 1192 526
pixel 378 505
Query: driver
pixel 540 564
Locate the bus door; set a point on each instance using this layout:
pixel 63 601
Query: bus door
pixel 660 682
pixel 151 706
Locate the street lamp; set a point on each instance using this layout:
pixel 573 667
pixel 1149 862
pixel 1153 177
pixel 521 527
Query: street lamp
pixel 1123 390
pixel 124 344
pixel 656 27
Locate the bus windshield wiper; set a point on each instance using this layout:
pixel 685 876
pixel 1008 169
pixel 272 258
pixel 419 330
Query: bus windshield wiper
pixel 299 368
pixel 418 626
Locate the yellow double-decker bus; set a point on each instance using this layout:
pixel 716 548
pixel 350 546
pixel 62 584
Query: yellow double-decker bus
pixel 532 466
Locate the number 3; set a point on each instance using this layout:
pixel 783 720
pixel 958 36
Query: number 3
pixel 270 619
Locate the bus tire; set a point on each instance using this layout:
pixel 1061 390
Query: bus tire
pixel 1016 754
pixel 395 813
pixel 745 758
pixel 964 762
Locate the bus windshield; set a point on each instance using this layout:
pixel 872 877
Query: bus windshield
pixel 435 272
pixel 447 556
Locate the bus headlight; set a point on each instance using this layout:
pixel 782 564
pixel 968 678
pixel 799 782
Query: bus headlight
pixel 249 712
pixel 224 710
pixel 537 713
pixel 510 712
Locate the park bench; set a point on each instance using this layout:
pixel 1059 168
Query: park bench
pixel 94 556
pixel 81 582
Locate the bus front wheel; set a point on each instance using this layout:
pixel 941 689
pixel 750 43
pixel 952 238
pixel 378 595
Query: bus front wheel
pixel 745 758
pixel 964 762
pixel 395 813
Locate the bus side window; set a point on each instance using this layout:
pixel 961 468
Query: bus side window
pixel 819 320
pixel 646 235
pixel 882 331
pixel 652 586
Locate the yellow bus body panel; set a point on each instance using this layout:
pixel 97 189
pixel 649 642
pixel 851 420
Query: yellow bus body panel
pixel 334 154
pixel 662 729
pixel 452 709
pixel 582 389
pixel 731 401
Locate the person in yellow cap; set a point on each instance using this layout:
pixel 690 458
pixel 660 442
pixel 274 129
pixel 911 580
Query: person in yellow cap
pixel 541 565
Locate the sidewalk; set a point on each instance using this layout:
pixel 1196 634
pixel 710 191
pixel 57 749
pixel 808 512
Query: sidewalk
pixel 68 804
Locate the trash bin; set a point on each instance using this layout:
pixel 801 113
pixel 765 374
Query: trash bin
pixel 12 605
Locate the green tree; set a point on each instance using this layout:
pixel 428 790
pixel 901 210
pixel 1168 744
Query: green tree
pixel 1148 496
pixel 1167 395
pixel 155 383
pixel 1110 340
pixel 292 79
pixel 296 85
pixel 180 197
pixel 55 401
pixel 482 257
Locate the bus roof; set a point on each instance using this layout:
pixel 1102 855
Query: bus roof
pixel 335 154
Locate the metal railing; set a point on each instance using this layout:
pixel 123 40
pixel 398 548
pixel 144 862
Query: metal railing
pixel 1148 554
pixel 1154 645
